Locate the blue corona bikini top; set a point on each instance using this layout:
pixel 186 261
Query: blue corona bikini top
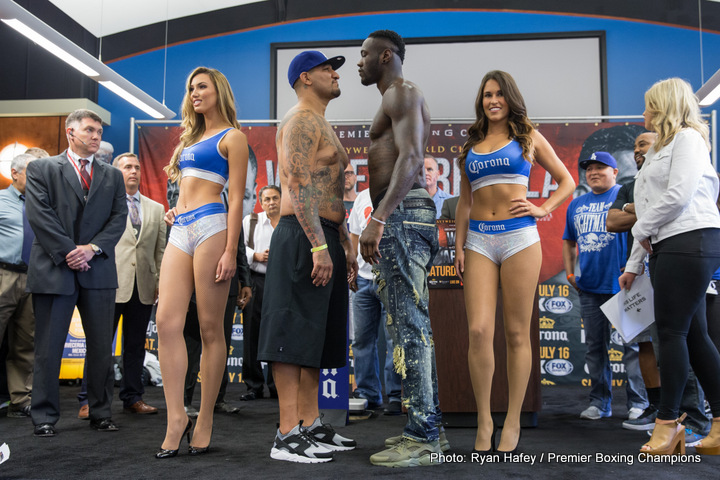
pixel 506 165
pixel 204 160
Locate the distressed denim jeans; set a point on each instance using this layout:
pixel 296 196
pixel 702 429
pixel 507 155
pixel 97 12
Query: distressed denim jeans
pixel 408 246
pixel 369 316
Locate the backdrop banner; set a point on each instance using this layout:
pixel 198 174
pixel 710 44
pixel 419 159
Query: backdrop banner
pixel 562 336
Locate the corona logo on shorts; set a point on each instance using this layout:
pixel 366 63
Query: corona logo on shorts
pixel 558 367
pixel 547 323
pixel 483 227
pixel 615 355
pixel 558 305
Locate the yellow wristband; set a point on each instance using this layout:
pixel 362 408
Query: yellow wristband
pixel 317 249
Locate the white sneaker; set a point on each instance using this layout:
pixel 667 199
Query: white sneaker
pixel 594 413
pixel 298 447
pixel 634 413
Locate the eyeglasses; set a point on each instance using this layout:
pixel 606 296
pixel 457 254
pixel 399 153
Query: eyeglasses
pixel 349 174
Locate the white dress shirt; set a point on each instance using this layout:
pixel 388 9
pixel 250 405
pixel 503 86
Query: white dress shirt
pixel 75 158
pixel 261 237
pixel 675 192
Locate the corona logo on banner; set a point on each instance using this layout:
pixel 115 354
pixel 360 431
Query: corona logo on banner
pixel 547 323
pixel 554 336
pixel 618 367
pixel 329 385
pixel 615 355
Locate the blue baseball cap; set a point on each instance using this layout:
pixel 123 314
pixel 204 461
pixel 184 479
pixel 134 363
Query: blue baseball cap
pixel 599 157
pixel 309 59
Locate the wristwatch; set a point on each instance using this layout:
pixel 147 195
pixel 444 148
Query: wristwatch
pixel 97 250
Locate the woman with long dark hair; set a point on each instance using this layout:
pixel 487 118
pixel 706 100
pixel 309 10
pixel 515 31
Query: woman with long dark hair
pixel 201 254
pixel 498 243
pixel 679 226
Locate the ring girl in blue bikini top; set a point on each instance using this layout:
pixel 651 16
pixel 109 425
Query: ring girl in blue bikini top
pixel 204 160
pixel 505 165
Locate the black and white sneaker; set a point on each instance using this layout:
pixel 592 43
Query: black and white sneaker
pixel 299 447
pixel 646 421
pixel 325 435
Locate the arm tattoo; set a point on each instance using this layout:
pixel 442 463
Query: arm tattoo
pixel 310 185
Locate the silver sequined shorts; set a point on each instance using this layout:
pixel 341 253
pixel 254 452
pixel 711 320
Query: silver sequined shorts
pixel 506 237
pixel 194 227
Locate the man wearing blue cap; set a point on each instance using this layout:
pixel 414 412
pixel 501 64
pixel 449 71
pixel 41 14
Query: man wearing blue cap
pixel 304 313
pixel 601 256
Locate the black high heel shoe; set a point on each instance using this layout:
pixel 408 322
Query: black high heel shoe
pixel 194 451
pixel 198 450
pixel 514 450
pixel 165 453
pixel 492 444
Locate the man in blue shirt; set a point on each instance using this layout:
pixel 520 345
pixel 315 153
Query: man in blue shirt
pixel 601 256
pixel 16 313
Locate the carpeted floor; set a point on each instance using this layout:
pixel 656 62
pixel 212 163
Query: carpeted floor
pixel 241 446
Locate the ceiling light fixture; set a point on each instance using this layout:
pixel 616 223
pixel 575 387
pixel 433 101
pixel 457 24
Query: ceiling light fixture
pixel 42 34
pixel 710 92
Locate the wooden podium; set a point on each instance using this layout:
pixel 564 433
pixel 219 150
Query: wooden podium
pixel 450 332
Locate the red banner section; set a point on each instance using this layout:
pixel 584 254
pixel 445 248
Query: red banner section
pixel 445 143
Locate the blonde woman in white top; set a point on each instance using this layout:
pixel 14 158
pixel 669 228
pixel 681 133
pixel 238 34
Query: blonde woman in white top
pixel 679 226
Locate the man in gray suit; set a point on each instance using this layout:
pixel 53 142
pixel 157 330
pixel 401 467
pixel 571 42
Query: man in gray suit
pixel 76 207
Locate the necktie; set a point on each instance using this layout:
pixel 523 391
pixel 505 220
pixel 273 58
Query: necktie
pixel 84 175
pixel 134 215
pixel 28 235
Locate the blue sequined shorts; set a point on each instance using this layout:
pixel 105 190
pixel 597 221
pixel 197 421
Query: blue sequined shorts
pixel 194 227
pixel 500 240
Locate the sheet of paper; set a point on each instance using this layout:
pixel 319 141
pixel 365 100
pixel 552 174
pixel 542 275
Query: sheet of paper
pixel 4 452
pixel 631 311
